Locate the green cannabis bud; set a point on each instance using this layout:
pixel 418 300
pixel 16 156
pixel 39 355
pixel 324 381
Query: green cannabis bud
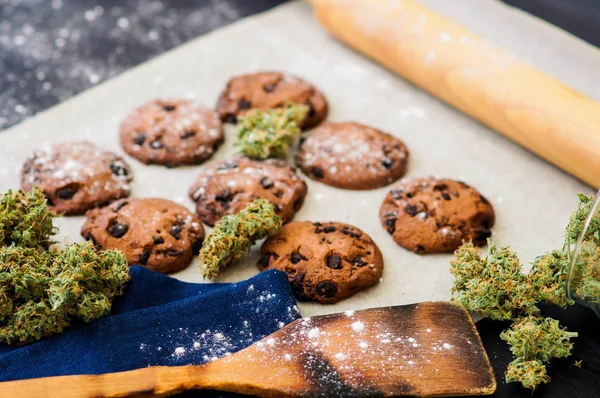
pixel 494 286
pixel 548 279
pixel 233 236
pixel 269 134
pixel 529 373
pixel 25 219
pixel 538 338
pixel 44 292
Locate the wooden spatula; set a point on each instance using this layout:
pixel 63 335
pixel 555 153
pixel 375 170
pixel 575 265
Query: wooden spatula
pixel 426 349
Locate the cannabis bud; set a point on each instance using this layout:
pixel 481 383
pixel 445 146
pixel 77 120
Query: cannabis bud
pixel 25 219
pixel 269 134
pixel 529 373
pixel 493 286
pixel 43 291
pixel 538 338
pixel 233 236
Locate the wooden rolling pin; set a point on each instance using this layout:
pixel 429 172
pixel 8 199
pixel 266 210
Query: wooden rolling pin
pixel 475 76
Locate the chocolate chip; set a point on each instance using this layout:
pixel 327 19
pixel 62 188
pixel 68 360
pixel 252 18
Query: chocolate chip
pixel 174 253
pixel 482 234
pixel 145 256
pixel 266 183
pixel 156 144
pixel 329 228
pixel 244 104
pixel 175 231
pixel 397 193
pixel 187 134
pixel 317 171
pixel 334 262
pixel 302 140
pixel 358 261
pixel 269 87
pixel 298 204
pixel 349 232
pixel 196 246
pixel 327 289
pixel 387 163
pixel 230 118
pixel 266 258
pixel 317 224
pixel 278 194
pixel 276 208
pixel 484 200
pixel 411 210
pixel 446 196
pixel 120 205
pixel 311 110
pixel 319 230
pixel 390 224
pixel 295 258
pixel 116 229
pixel 118 169
pixel 169 108
pixel 409 195
pixel 224 196
pixel 158 240
pixel 440 187
pixel 228 166
pixel 297 284
pixel 487 220
pixel 420 249
pixel 67 192
pixel 139 139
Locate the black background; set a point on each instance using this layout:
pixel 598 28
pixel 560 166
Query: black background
pixel 53 49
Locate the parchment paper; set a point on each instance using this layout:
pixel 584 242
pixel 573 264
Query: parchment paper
pixel 532 198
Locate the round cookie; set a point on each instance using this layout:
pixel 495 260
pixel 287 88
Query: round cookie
pixel 267 90
pixel 156 233
pixel 427 215
pixel 352 156
pixel 77 176
pixel 227 187
pixel 171 132
pixel 325 262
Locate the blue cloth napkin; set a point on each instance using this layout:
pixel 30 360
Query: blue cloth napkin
pixel 161 321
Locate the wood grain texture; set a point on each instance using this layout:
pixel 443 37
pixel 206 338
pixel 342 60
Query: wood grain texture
pixel 426 349
pixel 475 76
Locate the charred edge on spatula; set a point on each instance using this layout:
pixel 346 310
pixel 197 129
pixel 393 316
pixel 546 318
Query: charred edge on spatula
pixel 323 377
pixel 474 352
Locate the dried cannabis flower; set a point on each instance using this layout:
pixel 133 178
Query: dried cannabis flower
pixel 233 236
pixel 25 220
pixel 529 373
pixel 548 279
pixel 494 286
pixel 44 292
pixel 269 134
pixel 538 338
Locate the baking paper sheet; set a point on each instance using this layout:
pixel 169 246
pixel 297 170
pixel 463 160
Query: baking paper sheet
pixel 532 199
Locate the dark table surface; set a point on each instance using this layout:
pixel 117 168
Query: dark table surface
pixel 53 49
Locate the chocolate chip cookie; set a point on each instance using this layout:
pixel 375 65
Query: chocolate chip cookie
pixel 266 90
pixel 352 156
pixel 156 233
pixel 76 176
pixel 227 187
pixel 325 262
pixel 171 132
pixel 428 215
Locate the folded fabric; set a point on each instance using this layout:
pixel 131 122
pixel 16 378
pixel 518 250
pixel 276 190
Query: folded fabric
pixel 161 321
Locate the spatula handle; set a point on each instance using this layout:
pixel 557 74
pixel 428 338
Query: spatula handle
pixel 475 76
pixel 156 381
